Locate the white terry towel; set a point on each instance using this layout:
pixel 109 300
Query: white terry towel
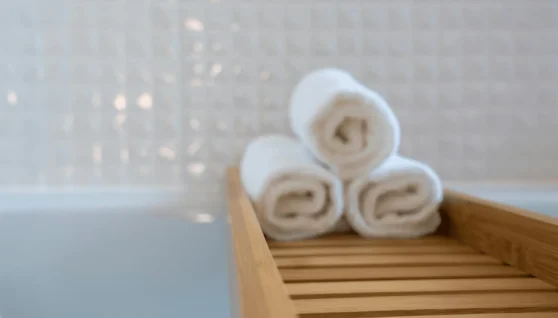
pixel 400 199
pixel 344 124
pixel 294 197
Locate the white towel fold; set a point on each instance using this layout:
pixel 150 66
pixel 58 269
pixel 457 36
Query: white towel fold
pixel 344 124
pixel 400 199
pixel 294 197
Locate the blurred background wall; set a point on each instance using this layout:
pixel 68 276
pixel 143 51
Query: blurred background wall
pixel 168 92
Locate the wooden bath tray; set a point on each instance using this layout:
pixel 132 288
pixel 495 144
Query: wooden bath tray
pixel 487 261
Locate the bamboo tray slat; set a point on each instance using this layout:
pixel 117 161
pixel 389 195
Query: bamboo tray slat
pixel 355 240
pixel 422 286
pixel 382 260
pixel 400 273
pixel 498 315
pixel 372 250
pixel 384 306
pixel 488 261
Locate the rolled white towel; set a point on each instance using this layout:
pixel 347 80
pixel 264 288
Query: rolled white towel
pixel 344 124
pixel 400 199
pixel 294 197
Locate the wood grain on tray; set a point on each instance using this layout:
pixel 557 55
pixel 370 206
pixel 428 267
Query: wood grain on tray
pixel 465 272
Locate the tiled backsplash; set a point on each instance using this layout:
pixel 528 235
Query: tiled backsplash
pixel 168 92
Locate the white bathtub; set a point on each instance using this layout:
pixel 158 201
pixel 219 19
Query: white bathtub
pixel 539 199
pixel 139 254
pixel 91 255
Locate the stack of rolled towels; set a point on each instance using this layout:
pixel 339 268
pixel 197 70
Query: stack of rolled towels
pixel 344 171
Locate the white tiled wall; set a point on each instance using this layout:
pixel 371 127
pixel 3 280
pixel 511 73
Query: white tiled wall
pixel 168 92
